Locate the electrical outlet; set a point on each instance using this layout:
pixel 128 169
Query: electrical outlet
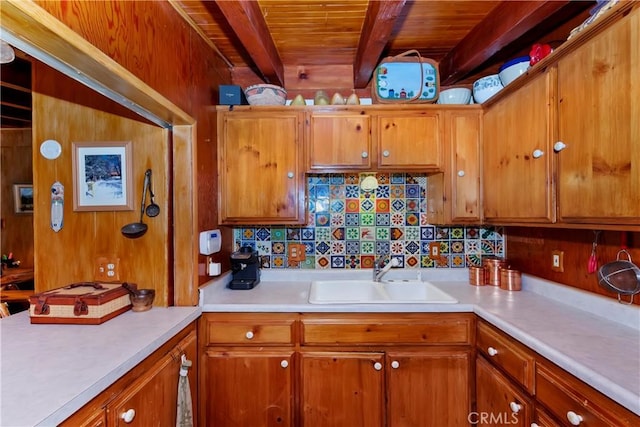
pixel 557 261
pixel 107 269
pixel 434 250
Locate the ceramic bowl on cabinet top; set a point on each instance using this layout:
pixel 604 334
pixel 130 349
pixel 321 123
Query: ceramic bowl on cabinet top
pixel 265 94
pixel 485 87
pixel 455 95
pixel 511 70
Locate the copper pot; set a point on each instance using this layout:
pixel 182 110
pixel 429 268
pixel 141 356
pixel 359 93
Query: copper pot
pixel 510 279
pixel 477 276
pixel 492 267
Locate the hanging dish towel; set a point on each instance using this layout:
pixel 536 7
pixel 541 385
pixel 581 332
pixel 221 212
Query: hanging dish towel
pixel 184 416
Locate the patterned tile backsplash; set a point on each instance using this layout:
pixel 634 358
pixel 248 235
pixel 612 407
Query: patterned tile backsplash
pixel 349 227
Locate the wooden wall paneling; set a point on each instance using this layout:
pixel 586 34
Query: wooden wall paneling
pixel 148 38
pixel 16 229
pixel 530 250
pixel 69 255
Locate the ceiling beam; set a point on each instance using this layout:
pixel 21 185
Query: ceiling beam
pixel 378 24
pixel 247 22
pixel 507 22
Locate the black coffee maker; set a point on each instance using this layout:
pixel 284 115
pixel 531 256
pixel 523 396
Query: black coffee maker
pixel 245 268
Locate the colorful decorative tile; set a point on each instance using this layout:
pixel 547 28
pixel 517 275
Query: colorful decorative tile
pixel 382 233
pixel 367 233
pixel 293 234
pixel 382 192
pixel 352 219
pixel 382 205
pixel 337 219
pixel 263 234
pixel 337 261
pixel 353 233
pixel 383 219
pixel 367 219
pixel 352 206
pixel 323 219
pixel 396 233
pixel 349 228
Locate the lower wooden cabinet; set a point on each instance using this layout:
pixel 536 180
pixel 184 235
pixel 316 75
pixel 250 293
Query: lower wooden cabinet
pixel 251 387
pixel 499 401
pixel 341 388
pixel 368 370
pixel 147 395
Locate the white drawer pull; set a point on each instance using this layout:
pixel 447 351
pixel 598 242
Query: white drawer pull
pixel 128 416
pixel 534 425
pixel 249 335
pixel 460 173
pixel 290 175
pixel 364 154
pixel 574 419
pixel 386 153
pixel 515 407
pixel 492 351
pixel 395 364
pixel 284 363
pixel 537 154
pixel 377 366
pixel 559 146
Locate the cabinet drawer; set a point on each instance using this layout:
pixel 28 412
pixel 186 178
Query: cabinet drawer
pixel 510 356
pixel 442 328
pixel 248 329
pixel 565 396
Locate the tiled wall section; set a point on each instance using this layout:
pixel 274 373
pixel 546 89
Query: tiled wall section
pixel 349 227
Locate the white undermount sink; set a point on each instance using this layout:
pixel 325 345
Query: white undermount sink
pixel 383 292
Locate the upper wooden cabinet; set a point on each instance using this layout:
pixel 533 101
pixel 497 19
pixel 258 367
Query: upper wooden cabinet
pixel 454 196
pixel 410 140
pixel 375 138
pixel 339 140
pixel 563 144
pixel 260 160
pixel 598 120
pixel 517 157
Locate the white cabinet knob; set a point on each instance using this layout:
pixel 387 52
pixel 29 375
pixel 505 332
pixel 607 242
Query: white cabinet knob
pixel 534 425
pixel 492 351
pixel 386 153
pixel 537 154
pixel 395 364
pixel 364 154
pixel 128 416
pixel 249 335
pixel 559 146
pixel 284 363
pixel 574 419
pixel 290 175
pixel 461 173
pixel 515 407
pixel 377 366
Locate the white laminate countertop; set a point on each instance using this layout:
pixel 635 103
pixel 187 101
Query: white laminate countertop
pixel 594 338
pixel 48 372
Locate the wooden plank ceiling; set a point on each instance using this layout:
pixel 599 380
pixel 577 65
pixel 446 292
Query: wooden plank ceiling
pixel 316 43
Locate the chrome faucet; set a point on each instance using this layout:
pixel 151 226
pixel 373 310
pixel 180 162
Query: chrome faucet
pixel 379 270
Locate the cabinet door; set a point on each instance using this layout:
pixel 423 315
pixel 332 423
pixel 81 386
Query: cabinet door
pixel 454 195
pixel 339 141
pixel 152 399
pixel 499 402
pixel 410 140
pixel 428 388
pixel 261 176
pixel 517 159
pixel 247 388
pixel 342 389
pixel 598 113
